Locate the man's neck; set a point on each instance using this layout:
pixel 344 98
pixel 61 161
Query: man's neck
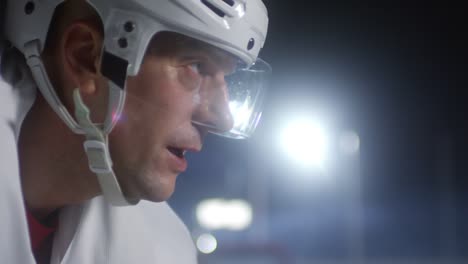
pixel 54 169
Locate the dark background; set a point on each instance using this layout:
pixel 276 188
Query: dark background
pixel 397 76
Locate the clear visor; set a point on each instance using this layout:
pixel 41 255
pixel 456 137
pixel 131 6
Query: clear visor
pixel 185 83
pixel 246 90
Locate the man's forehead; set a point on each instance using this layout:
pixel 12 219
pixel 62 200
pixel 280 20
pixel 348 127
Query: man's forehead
pixel 218 56
pixel 170 43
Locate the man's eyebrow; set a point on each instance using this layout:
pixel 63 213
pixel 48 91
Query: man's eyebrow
pixel 222 59
pixel 227 61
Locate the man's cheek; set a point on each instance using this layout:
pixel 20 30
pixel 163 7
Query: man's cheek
pixel 188 79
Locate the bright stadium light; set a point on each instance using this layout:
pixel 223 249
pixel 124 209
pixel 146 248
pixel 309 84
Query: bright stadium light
pixel 215 214
pixel 305 141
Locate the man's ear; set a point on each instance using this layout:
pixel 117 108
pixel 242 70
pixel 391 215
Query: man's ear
pixel 81 50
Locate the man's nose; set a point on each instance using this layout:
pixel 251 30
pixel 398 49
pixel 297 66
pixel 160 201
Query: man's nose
pixel 213 110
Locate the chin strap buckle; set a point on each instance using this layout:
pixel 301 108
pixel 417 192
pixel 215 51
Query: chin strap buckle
pixel 98 157
pixel 97 150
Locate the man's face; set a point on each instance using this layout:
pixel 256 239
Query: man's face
pixel 179 83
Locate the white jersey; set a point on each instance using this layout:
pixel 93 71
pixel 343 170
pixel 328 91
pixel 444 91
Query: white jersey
pixel 14 239
pixel 93 232
pixel 96 232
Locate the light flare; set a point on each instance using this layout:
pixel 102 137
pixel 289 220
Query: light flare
pixel 305 141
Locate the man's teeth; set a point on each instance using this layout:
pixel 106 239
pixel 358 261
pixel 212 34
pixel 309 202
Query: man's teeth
pixel 178 152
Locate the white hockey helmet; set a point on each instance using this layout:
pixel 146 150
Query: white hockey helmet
pixel 238 27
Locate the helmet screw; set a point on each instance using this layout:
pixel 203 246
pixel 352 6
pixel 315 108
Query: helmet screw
pixel 123 43
pixel 29 7
pixel 129 26
pixel 251 44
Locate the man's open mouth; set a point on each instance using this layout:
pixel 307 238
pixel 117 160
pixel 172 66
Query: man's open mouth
pixel 177 151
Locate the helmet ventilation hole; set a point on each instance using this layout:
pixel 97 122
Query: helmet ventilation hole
pixel 216 10
pixel 213 8
pixel 129 26
pixel 29 7
pixel 251 44
pixel 229 2
pixel 123 43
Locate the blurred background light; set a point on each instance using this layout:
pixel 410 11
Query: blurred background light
pixel 304 140
pixel 224 214
pixel 207 243
pixel 393 189
pixel 349 142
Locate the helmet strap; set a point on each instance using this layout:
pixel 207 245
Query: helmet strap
pixel 96 144
pixel 96 147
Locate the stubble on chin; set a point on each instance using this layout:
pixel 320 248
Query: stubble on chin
pixel 155 186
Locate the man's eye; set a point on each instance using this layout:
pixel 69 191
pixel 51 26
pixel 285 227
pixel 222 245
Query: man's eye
pixel 196 67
